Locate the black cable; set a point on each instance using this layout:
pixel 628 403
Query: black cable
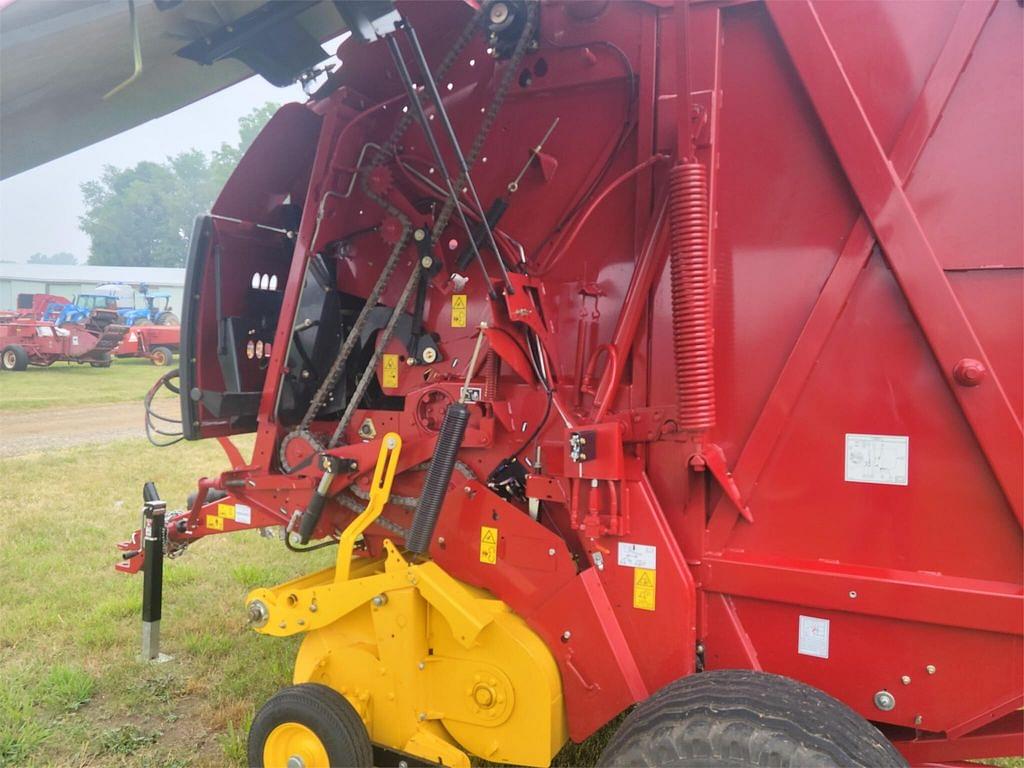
pixel 538 428
pixel 627 128
pixel 293 548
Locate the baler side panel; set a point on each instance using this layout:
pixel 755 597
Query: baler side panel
pixel 875 373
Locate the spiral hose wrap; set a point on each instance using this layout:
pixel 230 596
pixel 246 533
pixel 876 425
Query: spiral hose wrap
pixel 692 330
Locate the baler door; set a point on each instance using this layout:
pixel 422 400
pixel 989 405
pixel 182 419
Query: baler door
pixel 234 281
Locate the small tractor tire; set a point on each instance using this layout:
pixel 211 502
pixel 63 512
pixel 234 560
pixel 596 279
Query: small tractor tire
pixel 14 358
pixel 141 323
pixel 313 723
pixel 168 318
pixel 161 356
pixel 104 362
pixel 732 718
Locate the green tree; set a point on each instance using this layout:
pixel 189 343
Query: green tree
pixel 63 257
pixel 142 216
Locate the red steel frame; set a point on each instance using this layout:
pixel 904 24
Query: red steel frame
pixel 729 591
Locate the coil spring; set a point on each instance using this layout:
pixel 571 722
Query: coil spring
pixel 439 474
pixel 492 368
pixel 692 331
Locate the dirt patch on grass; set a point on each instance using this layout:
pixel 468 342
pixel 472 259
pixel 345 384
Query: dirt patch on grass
pixel 24 432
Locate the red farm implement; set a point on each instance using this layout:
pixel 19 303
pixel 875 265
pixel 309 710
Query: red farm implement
pixel 157 343
pixel 25 342
pixel 656 354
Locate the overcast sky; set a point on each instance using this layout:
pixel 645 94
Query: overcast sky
pixel 39 208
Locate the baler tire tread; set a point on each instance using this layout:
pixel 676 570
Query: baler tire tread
pixel 740 718
pixel 322 709
pixel 17 354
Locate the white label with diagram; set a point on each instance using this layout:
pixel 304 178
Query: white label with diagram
pixel 880 459
pixel 638 555
pixel 243 514
pixel 813 637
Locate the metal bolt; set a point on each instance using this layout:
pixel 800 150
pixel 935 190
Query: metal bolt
pixel 410 360
pixel 917 719
pixel 421 666
pixel 258 613
pixel 403 764
pixel 440 539
pixel 312 607
pixel 426 262
pixel 566 635
pixel 429 355
pixel 296 762
pixel 391 442
pixel 499 12
pixel 419 235
pixel 930 669
pixel 885 701
pixel 422 716
pixel 853 595
pixel 379 601
pixel 551 552
pixel 905 679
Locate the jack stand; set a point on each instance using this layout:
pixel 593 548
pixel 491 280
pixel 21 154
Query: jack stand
pixel 154 511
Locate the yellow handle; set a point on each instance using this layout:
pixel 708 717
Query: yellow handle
pixel 380 492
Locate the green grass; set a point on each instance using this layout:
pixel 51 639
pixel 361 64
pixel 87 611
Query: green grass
pixel 71 689
pixel 67 385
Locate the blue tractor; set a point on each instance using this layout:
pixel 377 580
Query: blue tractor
pixel 140 307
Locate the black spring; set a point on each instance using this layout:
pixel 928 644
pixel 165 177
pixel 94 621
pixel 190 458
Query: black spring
pixel 439 475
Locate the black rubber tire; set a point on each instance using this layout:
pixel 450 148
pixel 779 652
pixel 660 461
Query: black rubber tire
pixel 733 717
pixel 168 318
pixel 325 712
pixel 103 362
pixel 14 358
pixel 161 353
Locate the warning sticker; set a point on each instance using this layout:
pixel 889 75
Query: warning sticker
pixel 813 637
pixel 390 376
pixel 880 459
pixel 488 545
pixel 226 510
pixel 215 523
pixel 243 514
pixel 458 310
pixel 645 581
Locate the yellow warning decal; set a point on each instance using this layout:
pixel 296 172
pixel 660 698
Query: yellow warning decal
pixel 390 377
pixel 644 585
pixel 215 523
pixel 226 510
pixel 458 310
pixel 488 545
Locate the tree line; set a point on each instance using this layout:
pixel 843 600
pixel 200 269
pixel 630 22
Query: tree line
pixel 142 216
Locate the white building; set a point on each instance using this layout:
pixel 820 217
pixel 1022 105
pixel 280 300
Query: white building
pixel 68 280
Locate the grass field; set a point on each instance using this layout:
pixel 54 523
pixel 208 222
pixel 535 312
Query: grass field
pixel 71 691
pixel 63 385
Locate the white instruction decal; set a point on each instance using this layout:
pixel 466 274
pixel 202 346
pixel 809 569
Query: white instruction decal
pixel 243 514
pixel 813 637
pixel 638 556
pixel 880 459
